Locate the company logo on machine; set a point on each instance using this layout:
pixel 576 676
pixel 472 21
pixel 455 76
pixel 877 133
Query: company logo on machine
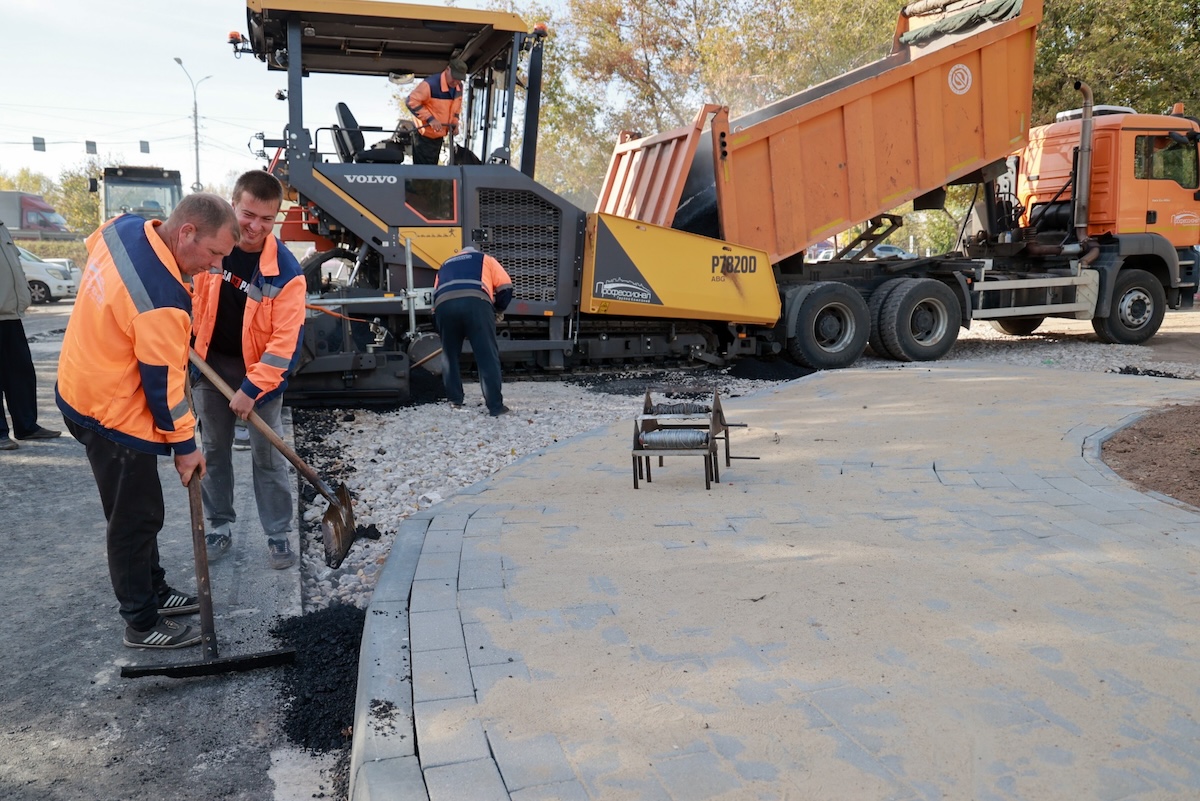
pixel 622 289
pixel 371 179
pixel 1186 218
pixel 960 79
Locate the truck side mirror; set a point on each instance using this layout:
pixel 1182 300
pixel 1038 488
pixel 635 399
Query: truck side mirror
pixel 93 185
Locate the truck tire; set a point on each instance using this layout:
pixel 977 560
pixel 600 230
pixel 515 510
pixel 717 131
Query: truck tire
pixel 313 264
pixel 1017 326
pixel 1138 305
pixel 920 321
pixel 875 307
pixel 39 292
pixel 832 326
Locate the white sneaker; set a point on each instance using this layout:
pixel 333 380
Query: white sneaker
pixel 241 438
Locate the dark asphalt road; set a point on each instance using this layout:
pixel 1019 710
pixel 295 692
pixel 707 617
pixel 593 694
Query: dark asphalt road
pixel 70 727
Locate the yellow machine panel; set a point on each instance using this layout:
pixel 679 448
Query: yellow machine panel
pixel 433 245
pixel 636 269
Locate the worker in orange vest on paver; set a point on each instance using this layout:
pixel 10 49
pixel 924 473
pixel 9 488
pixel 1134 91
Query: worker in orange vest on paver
pixel 436 104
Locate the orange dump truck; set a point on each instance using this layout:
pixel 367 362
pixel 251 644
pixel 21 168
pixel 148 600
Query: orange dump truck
pixel 949 105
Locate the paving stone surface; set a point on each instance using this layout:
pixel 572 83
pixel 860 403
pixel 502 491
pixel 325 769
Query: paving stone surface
pixel 945 594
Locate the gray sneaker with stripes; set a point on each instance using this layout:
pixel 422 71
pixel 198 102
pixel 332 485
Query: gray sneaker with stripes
pixel 167 633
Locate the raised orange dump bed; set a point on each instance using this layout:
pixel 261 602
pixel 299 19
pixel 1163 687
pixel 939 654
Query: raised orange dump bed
pixel 945 103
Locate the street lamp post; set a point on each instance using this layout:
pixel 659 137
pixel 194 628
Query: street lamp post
pixel 196 187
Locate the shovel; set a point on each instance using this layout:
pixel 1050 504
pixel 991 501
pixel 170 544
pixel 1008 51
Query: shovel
pixel 337 526
pixel 211 664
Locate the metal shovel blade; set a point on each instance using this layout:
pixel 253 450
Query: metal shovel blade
pixel 337 528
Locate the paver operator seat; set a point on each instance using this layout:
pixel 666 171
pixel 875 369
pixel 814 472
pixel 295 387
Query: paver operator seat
pixel 351 146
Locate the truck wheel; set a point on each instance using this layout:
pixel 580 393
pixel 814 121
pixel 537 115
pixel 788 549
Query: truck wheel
pixel 875 307
pixel 920 321
pixel 1138 305
pixel 832 325
pixel 313 264
pixel 39 292
pixel 1017 326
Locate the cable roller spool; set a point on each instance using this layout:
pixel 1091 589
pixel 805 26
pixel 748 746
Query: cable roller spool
pixel 673 439
pixel 680 408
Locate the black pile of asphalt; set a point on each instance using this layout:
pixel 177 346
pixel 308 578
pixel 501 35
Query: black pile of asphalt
pixel 317 691
pixel 1130 370
pixel 686 383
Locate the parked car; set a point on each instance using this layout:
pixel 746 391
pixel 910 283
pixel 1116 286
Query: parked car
pixel 878 252
pixel 76 273
pixel 889 251
pixel 48 283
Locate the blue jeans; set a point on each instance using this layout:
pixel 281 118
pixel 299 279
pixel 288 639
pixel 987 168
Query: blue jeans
pixel 474 320
pixel 272 487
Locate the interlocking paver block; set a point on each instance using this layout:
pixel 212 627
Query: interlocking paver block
pixel 449 522
pixel 450 732
pixel 563 791
pixel 480 606
pixel 390 779
pixel 479 526
pixel 449 541
pixel 480 574
pixel 531 761
pixel 486 676
pixel 433 595
pixel 482 651
pixel 437 566
pixel 695 776
pixel 438 675
pixel 434 631
pixel 478 781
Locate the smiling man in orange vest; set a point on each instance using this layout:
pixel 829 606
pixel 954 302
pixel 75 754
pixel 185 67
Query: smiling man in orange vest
pixel 121 389
pixel 436 104
pixel 248 326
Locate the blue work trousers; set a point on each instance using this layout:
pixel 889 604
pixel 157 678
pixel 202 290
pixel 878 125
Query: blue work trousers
pixel 132 497
pixel 18 381
pixel 474 320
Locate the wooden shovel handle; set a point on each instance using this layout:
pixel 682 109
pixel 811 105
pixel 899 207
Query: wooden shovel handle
pixel 266 431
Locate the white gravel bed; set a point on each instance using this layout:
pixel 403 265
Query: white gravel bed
pixel 416 457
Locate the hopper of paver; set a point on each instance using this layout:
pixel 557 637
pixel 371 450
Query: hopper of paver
pixel 953 96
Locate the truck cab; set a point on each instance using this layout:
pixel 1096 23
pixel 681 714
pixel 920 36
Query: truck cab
pixel 1145 174
pixel 151 193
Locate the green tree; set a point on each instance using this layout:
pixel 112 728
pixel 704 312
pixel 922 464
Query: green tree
pixel 650 65
pixel 1130 52
pixel 72 198
pixel 26 180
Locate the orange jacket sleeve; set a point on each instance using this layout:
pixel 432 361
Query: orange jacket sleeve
pixel 160 338
pixel 287 318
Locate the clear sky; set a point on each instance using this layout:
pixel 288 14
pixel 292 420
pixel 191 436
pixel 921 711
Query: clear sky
pixel 77 70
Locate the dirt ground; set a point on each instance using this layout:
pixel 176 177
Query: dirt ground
pixel 1160 452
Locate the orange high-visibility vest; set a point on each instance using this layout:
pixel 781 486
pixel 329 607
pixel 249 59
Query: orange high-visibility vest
pixel 472 274
pixel 272 325
pixel 434 99
pixel 124 357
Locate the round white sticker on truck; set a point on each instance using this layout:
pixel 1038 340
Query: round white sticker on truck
pixel 960 79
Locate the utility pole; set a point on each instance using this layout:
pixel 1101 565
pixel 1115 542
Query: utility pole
pixel 197 186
